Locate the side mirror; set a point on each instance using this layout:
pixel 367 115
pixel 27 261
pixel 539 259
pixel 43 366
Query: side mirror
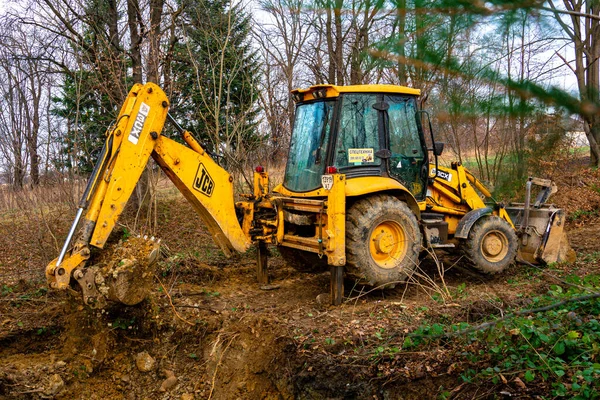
pixel 438 148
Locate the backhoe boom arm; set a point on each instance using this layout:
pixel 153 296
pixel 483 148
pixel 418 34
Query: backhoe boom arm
pixel 130 143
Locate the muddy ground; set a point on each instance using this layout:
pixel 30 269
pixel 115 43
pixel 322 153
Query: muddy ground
pixel 208 331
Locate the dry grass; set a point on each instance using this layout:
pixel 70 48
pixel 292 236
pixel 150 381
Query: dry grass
pixel 62 194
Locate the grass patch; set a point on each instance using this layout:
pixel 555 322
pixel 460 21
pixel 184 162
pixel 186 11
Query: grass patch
pixel 578 215
pixel 557 348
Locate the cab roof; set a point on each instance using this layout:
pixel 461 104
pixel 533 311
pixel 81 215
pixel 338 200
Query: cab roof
pixel 335 91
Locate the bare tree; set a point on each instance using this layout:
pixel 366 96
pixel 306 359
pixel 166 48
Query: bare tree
pixel 580 21
pixel 283 43
pixel 25 70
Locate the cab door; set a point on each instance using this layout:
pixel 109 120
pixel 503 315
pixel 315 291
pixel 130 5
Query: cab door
pixel 408 159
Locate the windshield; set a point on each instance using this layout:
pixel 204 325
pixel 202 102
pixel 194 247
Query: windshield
pixel 358 135
pixel 308 149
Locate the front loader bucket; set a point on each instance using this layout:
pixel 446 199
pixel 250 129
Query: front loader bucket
pixel 540 226
pixel 542 237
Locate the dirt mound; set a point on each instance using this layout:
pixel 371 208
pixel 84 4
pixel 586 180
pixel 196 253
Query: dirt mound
pixel 579 195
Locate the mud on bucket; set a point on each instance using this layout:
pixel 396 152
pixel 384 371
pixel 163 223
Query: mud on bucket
pixel 128 276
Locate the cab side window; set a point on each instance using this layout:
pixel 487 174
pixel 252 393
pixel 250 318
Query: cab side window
pixel 405 143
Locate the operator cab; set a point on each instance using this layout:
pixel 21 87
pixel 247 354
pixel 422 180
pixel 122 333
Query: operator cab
pixel 371 130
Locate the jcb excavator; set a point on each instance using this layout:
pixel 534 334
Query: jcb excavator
pixel 362 194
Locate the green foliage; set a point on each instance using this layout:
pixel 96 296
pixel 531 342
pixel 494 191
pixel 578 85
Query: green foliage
pixel 6 290
pixel 582 214
pixel 216 75
pixel 437 297
pixel 461 291
pixel 86 113
pixel 126 233
pixel 591 257
pixel 558 347
pixel 123 323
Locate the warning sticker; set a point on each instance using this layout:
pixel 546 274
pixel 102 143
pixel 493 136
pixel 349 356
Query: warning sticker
pixel 360 155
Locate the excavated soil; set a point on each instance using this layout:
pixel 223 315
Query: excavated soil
pixel 208 331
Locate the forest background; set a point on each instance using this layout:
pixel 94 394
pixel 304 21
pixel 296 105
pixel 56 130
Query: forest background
pixel 510 85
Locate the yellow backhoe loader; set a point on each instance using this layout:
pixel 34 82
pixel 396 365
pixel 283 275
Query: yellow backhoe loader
pixel 362 194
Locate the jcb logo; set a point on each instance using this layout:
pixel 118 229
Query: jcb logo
pixel 203 182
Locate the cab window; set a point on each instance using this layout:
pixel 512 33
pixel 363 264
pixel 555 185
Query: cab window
pixel 308 148
pixel 358 134
pixel 406 146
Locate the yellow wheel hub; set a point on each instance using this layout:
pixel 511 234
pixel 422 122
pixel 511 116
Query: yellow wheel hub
pixel 494 246
pixel 387 244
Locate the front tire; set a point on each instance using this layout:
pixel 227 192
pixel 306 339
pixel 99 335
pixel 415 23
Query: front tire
pixel 492 245
pixel 383 241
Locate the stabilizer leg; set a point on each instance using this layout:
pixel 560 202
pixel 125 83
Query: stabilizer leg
pixel 262 273
pixel 337 284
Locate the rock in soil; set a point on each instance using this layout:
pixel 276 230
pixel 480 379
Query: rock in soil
pixel 55 385
pixel 144 362
pixel 169 382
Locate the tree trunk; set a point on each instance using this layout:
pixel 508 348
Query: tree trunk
pixel 330 48
pixel 143 190
pixel 585 34
pixel 133 10
pixel 113 65
pixel 113 30
pixel 420 42
pixel 593 81
pixel 401 22
pixel 156 11
pixel 35 90
pixel 592 131
pixel 32 138
pixel 167 76
pixel 339 45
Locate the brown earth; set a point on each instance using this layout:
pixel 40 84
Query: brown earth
pixel 209 331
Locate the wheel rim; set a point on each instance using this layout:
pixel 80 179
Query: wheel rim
pixel 494 246
pixel 387 244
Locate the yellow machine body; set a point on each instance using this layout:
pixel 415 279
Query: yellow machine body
pixel 452 192
pixel 452 195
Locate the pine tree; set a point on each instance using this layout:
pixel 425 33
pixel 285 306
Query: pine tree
pixel 215 74
pixel 87 113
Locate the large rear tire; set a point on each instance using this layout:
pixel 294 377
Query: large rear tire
pixel 492 245
pixel 383 241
